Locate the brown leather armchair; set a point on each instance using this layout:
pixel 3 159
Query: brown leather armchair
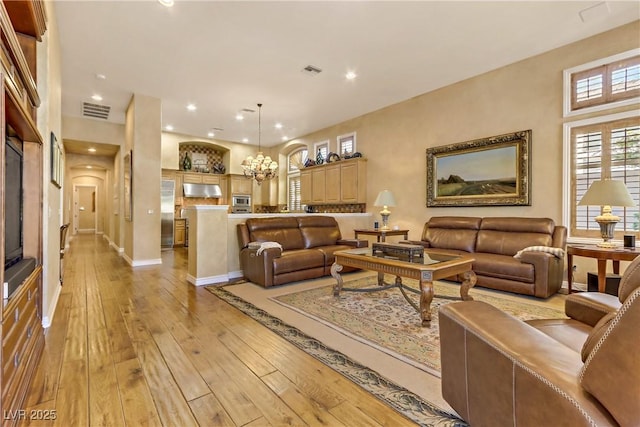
pixel 580 371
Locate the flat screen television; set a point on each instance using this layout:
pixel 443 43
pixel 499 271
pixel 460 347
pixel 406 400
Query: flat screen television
pixel 13 203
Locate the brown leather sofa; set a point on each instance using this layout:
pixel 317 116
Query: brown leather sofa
pixel 308 247
pixel 580 371
pixel 493 242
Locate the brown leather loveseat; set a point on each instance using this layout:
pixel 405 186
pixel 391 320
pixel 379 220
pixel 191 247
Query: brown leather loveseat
pixel 583 371
pixel 307 247
pixel 520 255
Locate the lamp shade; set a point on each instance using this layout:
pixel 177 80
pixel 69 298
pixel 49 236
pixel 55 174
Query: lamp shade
pixel 385 198
pixel 607 192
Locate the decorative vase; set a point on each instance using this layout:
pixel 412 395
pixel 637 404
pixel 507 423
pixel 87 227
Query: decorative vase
pixel 186 163
pixel 319 158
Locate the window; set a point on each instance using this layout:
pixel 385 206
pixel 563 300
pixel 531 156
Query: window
pixel 296 161
pixel 323 147
pixel 604 149
pixel 603 84
pixel 294 193
pixel 347 144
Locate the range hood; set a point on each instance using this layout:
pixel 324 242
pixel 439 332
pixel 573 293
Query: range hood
pixel 202 190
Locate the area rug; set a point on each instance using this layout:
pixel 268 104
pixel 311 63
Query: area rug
pixel 387 322
pixel 412 406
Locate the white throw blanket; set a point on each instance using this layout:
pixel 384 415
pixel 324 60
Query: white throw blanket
pixel 557 252
pixel 261 246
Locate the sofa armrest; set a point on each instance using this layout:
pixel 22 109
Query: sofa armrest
pixel 356 243
pixel 590 307
pixel 259 268
pixel 548 272
pixel 498 370
pixel 415 242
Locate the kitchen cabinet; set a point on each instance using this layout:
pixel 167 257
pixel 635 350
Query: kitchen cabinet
pixel 305 186
pixel 344 181
pixel 318 177
pixel 21 329
pixel 332 182
pixel 353 181
pixel 240 184
pixel 179 232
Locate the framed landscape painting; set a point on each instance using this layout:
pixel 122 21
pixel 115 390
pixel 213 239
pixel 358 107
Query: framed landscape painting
pixel 492 171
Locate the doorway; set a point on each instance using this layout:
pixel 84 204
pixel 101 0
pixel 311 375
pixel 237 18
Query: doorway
pixel 85 208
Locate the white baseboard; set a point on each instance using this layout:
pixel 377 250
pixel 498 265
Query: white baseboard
pixel 48 318
pixel 201 281
pixel 235 274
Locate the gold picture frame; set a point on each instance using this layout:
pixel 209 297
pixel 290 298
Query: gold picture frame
pixel 492 171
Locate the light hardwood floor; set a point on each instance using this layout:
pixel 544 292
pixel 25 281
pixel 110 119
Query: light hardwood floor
pixel 144 347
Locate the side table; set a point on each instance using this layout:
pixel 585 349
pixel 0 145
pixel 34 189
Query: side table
pixel 381 234
pixel 602 255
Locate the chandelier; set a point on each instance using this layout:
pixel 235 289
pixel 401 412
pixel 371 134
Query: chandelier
pixel 260 167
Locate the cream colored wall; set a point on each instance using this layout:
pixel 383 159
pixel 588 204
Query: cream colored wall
pixel 49 120
pixel 524 95
pixel 143 136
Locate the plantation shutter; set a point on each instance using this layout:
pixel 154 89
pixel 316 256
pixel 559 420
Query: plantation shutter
pixel 605 151
pixel 607 83
pixel 294 193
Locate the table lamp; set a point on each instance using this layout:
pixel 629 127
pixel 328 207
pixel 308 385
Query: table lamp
pixel 385 199
pixel 607 193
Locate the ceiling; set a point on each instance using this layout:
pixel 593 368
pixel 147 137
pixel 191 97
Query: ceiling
pixel 228 56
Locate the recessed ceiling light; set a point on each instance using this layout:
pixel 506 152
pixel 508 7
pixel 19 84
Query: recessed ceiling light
pixel 96 97
pixel 278 125
pixel 284 137
pixel 101 76
pixel 168 127
pixel 351 75
pixel 245 139
pixel 192 107
pixel 211 134
pixel 92 150
pixel 166 3
pixel 239 116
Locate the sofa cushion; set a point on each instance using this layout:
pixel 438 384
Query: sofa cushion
pixel 569 332
pixel 508 235
pixel 452 232
pixel 299 259
pixel 503 267
pixel 282 230
pixel 319 231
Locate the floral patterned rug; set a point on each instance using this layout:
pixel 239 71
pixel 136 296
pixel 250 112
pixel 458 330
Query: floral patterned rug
pixel 386 321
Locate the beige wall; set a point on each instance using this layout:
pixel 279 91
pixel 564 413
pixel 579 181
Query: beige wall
pixel 143 136
pixel 49 120
pixel 524 95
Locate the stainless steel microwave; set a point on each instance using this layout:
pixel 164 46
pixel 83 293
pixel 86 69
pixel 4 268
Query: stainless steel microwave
pixel 240 200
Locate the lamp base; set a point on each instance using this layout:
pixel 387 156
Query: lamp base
pixel 607 245
pixel 385 218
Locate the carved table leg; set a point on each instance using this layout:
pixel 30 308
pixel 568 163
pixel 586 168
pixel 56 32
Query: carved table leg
pixel 335 272
pixel 380 279
pixel 426 296
pixel 469 280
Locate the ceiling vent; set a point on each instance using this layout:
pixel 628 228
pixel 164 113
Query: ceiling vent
pixel 311 70
pixel 95 111
pixel 248 110
pixel 218 129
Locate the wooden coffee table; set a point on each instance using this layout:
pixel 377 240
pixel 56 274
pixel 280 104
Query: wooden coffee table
pixel 435 266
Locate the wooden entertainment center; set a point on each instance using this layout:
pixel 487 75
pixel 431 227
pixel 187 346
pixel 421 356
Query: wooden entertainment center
pixel 22 24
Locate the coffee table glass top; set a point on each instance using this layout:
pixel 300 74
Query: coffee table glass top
pixel 429 258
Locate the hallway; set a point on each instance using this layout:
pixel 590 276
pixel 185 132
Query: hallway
pixel 143 347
